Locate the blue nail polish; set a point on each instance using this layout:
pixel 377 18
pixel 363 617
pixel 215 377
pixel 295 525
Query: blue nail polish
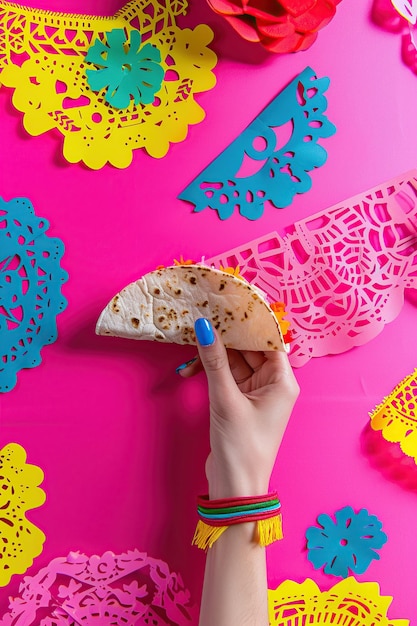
pixel 204 331
pixel 184 365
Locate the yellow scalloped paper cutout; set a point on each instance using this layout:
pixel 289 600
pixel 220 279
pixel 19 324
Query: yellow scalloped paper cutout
pixel 396 416
pixel 348 602
pixel 42 59
pixel 20 540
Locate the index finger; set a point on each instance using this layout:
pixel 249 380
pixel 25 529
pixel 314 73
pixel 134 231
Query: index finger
pixel 256 359
pixel 278 364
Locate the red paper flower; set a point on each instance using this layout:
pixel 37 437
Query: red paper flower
pixel 279 25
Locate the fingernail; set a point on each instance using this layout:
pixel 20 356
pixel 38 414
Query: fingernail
pixel 183 366
pixel 204 331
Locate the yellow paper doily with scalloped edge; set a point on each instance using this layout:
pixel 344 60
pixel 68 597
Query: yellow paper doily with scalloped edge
pixel 42 57
pixel 20 540
pixel 396 416
pixel 348 602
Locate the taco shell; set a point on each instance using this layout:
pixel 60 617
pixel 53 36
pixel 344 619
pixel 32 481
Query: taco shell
pixel 164 304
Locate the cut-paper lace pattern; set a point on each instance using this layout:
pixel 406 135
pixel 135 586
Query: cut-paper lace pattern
pixel 271 158
pixel 396 416
pixel 347 602
pixel 407 9
pixel 399 17
pixel 30 288
pixel 43 58
pixel 21 541
pixel 130 588
pixel 342 272
pixel 389 459
pixel 347 542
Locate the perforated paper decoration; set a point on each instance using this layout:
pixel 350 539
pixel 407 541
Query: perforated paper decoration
pixel 389 459
pixel 347 602
pixel 346 544
pixel 342 272
pixel 271 158
pixel 407 9
pixel 20 540
pixel 399 17
pixel 396 416
pixel 30 288
pixel 129 588
pixel 43 59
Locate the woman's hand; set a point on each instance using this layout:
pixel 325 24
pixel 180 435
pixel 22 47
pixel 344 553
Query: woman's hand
pixel 251 398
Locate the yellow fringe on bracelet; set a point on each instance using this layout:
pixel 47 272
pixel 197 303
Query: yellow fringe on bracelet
pixel 206 535
pixel 267 531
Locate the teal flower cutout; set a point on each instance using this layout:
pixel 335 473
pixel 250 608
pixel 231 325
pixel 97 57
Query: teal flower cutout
pixel 125 69
pixel 349 543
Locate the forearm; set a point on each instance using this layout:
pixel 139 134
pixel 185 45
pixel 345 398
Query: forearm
pixel 235 583
pixel 251 397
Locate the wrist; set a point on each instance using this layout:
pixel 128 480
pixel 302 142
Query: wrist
pixel 219 489
pixel 235 481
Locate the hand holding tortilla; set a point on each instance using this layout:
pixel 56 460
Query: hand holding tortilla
pixel 251 392
pixel 251 397
pixel 163 305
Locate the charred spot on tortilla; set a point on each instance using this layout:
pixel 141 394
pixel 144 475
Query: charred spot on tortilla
pixel 152 308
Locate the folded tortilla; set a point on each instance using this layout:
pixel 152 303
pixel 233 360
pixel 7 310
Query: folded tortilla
pixel 164 304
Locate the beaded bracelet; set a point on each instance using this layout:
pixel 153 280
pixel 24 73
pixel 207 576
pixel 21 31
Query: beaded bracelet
pixel 217 515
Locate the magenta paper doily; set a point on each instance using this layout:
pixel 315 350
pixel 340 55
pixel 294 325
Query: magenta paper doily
pixel 130 589
pixel 342 272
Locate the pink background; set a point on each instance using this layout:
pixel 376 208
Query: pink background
pixel 121 439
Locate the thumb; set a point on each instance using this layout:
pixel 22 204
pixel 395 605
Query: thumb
pixel 214 358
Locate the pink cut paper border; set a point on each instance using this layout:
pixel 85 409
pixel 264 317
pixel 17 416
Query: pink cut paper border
pixel 128 588
pixel 342 272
